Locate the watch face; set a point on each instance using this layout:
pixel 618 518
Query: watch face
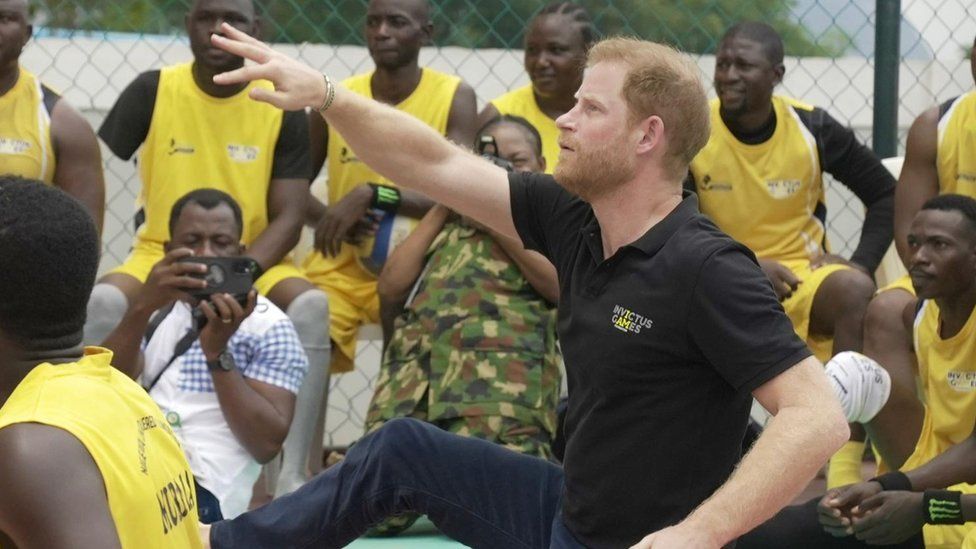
pixel 226 361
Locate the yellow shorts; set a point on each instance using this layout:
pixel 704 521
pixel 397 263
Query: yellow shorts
pixel 903 283
pixel 145 255
pixel 799 305
pixel 353 301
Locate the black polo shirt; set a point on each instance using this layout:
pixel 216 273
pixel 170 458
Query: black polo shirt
pixel 663 344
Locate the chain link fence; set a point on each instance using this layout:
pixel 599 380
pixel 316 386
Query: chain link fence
pixel 91 49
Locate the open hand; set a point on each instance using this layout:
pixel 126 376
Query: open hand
pixel 296 85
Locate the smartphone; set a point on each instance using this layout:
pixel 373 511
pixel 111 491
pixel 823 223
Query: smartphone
pixel 224 275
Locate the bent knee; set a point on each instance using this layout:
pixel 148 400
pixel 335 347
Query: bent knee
pixel 309 312
pixel 850 288
pixel 884 313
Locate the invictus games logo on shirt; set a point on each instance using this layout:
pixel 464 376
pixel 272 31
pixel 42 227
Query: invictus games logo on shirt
pixel 966 177
pixel 242 153
pixel 628 321
pixel 963 382
pixel 9 145
pixel 783 188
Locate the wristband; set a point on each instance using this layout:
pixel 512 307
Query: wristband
pixel 943 507
pixel 385 198
pixel 895 480
pixel 329 94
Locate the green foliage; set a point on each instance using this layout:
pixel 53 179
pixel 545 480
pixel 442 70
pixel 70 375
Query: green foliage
pixel 692 25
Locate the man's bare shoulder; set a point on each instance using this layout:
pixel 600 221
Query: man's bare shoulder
pixel 48 477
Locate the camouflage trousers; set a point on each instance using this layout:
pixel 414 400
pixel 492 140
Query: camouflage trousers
pixel 505 431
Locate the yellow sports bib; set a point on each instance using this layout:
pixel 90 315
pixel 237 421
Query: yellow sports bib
pixel 766 196
pixel 430 103
pixel 148 482
pixel 947 368
pixel 521 102
pixel 197 141
pixel 25 131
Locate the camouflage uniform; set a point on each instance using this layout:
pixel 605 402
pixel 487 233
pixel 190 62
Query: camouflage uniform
pixel 474 352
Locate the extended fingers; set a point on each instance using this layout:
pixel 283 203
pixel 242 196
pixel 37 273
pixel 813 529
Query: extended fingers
pixel 249 49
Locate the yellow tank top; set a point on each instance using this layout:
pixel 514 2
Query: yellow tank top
pixel 25 131
pixel 147 479
pixel 430 103
pixel 197 141
pixel 947 369
pixel 767 195
pixel 521 102
pixel 956 156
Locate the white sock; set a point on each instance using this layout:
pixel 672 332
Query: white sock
pixel 860 383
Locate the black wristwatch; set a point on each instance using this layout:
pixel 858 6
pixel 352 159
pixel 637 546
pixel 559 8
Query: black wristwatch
pixel 224 363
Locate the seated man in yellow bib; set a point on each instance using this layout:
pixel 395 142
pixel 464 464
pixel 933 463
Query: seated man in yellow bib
pixel 395 31
pixel 191 133
pixel 86 457
pixel 940 157
pixel 918 504
pixel 41 136
pixel 760 178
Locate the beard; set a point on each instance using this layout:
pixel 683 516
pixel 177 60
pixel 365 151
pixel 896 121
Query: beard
pixel 595 173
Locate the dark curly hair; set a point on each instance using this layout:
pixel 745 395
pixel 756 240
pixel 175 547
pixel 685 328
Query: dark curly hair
pixel 49 248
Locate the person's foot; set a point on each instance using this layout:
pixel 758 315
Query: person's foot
pixel 861 384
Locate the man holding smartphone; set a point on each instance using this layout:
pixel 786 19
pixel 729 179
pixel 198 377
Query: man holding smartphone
pixel 225 373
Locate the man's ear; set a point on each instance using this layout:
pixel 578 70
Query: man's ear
pixel 651 134
pixel 780 71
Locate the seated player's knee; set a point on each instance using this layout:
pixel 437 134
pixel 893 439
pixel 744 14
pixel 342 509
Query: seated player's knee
pixel 309 312
pixel 851 290
pixel 106 307
pixel 884 313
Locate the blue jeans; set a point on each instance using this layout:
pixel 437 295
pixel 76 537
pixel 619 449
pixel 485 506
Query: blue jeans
pixel 476 492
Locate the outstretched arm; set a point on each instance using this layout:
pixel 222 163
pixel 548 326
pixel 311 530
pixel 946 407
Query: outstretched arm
pixel 423 160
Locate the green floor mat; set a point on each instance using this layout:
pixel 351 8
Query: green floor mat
pixel 421 535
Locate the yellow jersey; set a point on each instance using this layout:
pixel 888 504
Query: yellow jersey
pixel 25 129
pixel 769 196
pixel 521 102
pixel 956 154
pixel 947 369
pixel 148 482
pixel 430 103
pixel 195 141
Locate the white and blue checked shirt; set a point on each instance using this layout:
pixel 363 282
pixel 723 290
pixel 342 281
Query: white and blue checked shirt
pixel 266 349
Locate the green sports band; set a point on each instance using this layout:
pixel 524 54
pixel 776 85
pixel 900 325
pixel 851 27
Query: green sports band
pixel 943 507
pixel 385 198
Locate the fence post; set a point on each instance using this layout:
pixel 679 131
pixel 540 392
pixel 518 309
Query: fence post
pixel 887 58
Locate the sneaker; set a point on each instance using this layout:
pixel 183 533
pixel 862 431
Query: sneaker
pixel 860 383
